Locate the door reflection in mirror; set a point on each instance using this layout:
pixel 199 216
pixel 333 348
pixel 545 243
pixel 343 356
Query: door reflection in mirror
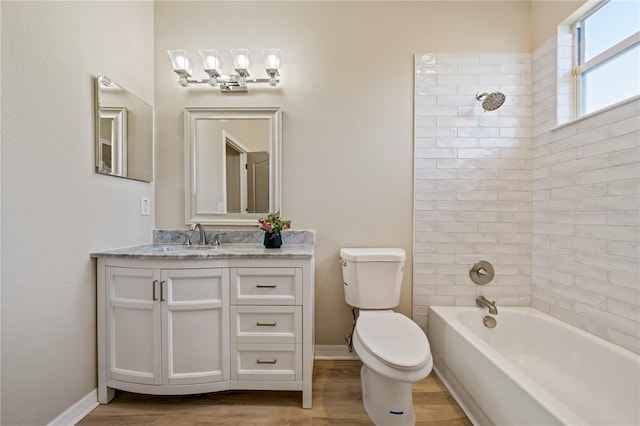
pixel 232 165
pixel 258 172
pixel 113 141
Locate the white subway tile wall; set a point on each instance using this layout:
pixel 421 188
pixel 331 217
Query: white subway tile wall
pixel 556 210
pixel 586 200
pixel 472 179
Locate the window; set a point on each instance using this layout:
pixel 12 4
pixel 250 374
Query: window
pixel 608 54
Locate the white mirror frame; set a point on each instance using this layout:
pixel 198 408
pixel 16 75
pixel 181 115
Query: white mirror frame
pixel 191 116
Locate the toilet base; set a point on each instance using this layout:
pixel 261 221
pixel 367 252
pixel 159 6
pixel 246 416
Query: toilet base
pixel 387 402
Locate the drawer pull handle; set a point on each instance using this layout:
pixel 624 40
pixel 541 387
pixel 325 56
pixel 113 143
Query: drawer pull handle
pixel 267 361
pixel 155 296
pixel 266 286
pixel 266 324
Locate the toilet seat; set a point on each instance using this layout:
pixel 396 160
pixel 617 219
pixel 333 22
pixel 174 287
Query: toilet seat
pixel 392 345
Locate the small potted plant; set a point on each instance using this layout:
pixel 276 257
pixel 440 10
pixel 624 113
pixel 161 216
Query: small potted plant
pixel 273 225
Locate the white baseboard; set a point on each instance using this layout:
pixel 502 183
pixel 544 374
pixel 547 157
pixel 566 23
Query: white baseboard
pixel 77 411
pixel 335 352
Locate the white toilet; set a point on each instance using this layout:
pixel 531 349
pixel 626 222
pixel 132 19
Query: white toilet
pixel 394 350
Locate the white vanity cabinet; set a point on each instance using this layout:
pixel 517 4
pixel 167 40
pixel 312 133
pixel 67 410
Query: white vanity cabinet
pixel 166 326
pixel 170 325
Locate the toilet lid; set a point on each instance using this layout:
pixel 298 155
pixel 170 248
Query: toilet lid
pixel 393 338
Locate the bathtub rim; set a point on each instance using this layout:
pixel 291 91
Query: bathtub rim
pixel 547 318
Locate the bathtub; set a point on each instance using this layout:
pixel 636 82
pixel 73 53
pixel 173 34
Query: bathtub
pixel 532 369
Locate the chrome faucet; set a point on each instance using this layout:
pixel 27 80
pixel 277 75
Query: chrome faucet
pixel 482 301
pixel 203 238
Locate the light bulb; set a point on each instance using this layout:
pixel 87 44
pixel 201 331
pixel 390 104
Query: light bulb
pixel 243 61
pixel 183 62
pixel 272 61
pixel 212 62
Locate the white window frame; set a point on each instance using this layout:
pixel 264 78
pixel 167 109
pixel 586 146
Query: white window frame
pixel 580 67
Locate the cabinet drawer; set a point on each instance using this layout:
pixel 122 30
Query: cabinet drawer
pixel 266 324
pixel 251 361
pixel 266 286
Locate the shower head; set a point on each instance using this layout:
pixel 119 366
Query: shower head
pixel 491 101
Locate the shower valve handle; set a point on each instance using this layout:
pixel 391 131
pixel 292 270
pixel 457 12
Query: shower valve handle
pixel 482 272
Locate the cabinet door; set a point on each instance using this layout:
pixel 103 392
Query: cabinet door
pixel 133 326
pixel 195 325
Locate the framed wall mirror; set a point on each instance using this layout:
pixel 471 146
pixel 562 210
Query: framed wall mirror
pixel 124 132
pixel 232 164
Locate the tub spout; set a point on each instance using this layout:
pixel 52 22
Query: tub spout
pixel 482 301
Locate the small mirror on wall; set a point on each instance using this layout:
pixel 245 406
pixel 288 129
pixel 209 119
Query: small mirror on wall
pixel 232 164
pixel 124 132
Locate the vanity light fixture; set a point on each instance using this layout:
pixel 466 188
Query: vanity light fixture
pixel 212 62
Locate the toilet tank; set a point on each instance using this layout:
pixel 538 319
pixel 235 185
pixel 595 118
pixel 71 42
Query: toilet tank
pixel 372 277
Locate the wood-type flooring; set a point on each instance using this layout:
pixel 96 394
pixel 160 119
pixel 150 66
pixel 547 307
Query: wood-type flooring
pixel 337 400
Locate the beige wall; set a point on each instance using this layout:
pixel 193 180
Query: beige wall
pixel 546 15
pixel 55 208
pixel 347 101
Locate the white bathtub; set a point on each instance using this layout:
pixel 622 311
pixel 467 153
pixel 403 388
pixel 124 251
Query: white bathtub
pixel 532 369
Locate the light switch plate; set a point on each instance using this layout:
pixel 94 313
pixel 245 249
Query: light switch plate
pixel 145 206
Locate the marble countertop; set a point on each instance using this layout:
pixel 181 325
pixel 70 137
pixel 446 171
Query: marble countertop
pixel 223 251
pixel 234 244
